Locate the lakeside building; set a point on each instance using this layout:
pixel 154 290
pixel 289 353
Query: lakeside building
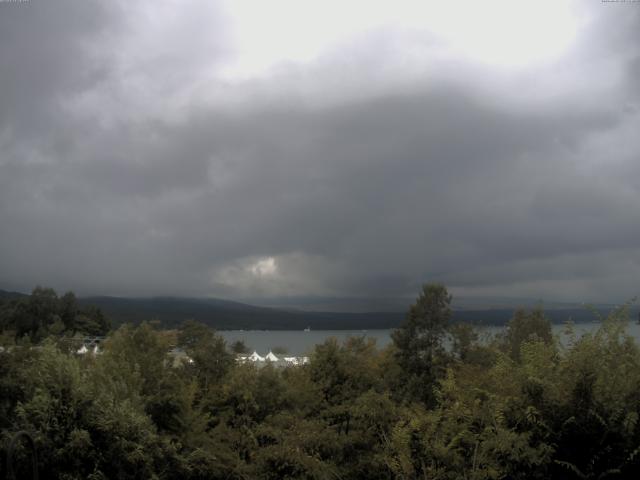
pixel 83 350
pixel 178 357
pixel 271 358
pixel 90 345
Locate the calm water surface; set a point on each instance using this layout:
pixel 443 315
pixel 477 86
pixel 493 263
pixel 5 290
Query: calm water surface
pixel 298 342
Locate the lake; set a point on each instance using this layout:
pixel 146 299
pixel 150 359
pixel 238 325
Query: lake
pixel 298 342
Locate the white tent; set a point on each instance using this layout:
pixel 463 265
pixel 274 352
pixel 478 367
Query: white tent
pixel 271 357
pixel 82 350
pixel 254 357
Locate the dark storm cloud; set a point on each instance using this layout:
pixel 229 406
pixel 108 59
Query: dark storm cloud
pixel 127 166
pixel 44 57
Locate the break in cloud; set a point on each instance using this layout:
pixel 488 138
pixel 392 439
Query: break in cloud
pixel 287 148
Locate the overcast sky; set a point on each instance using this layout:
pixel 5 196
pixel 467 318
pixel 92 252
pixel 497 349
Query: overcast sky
pixel 325 148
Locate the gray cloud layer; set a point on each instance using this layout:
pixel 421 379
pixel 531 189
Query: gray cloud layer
pixel 130 165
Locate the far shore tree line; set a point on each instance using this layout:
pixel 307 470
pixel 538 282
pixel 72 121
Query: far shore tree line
pixel 436 403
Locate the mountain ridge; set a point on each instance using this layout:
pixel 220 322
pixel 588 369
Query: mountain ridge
pixel 222 314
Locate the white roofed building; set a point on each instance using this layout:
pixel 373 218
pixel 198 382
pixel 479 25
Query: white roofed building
pixel 271 357
pixel 254 357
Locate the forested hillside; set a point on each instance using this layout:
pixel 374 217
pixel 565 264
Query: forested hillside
pixel 227 315
pixel 521 406
pixel 219 314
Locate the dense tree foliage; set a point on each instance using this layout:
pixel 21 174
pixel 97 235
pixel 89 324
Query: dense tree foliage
pixel 43 313
pixel 420 351
pixel 437 403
